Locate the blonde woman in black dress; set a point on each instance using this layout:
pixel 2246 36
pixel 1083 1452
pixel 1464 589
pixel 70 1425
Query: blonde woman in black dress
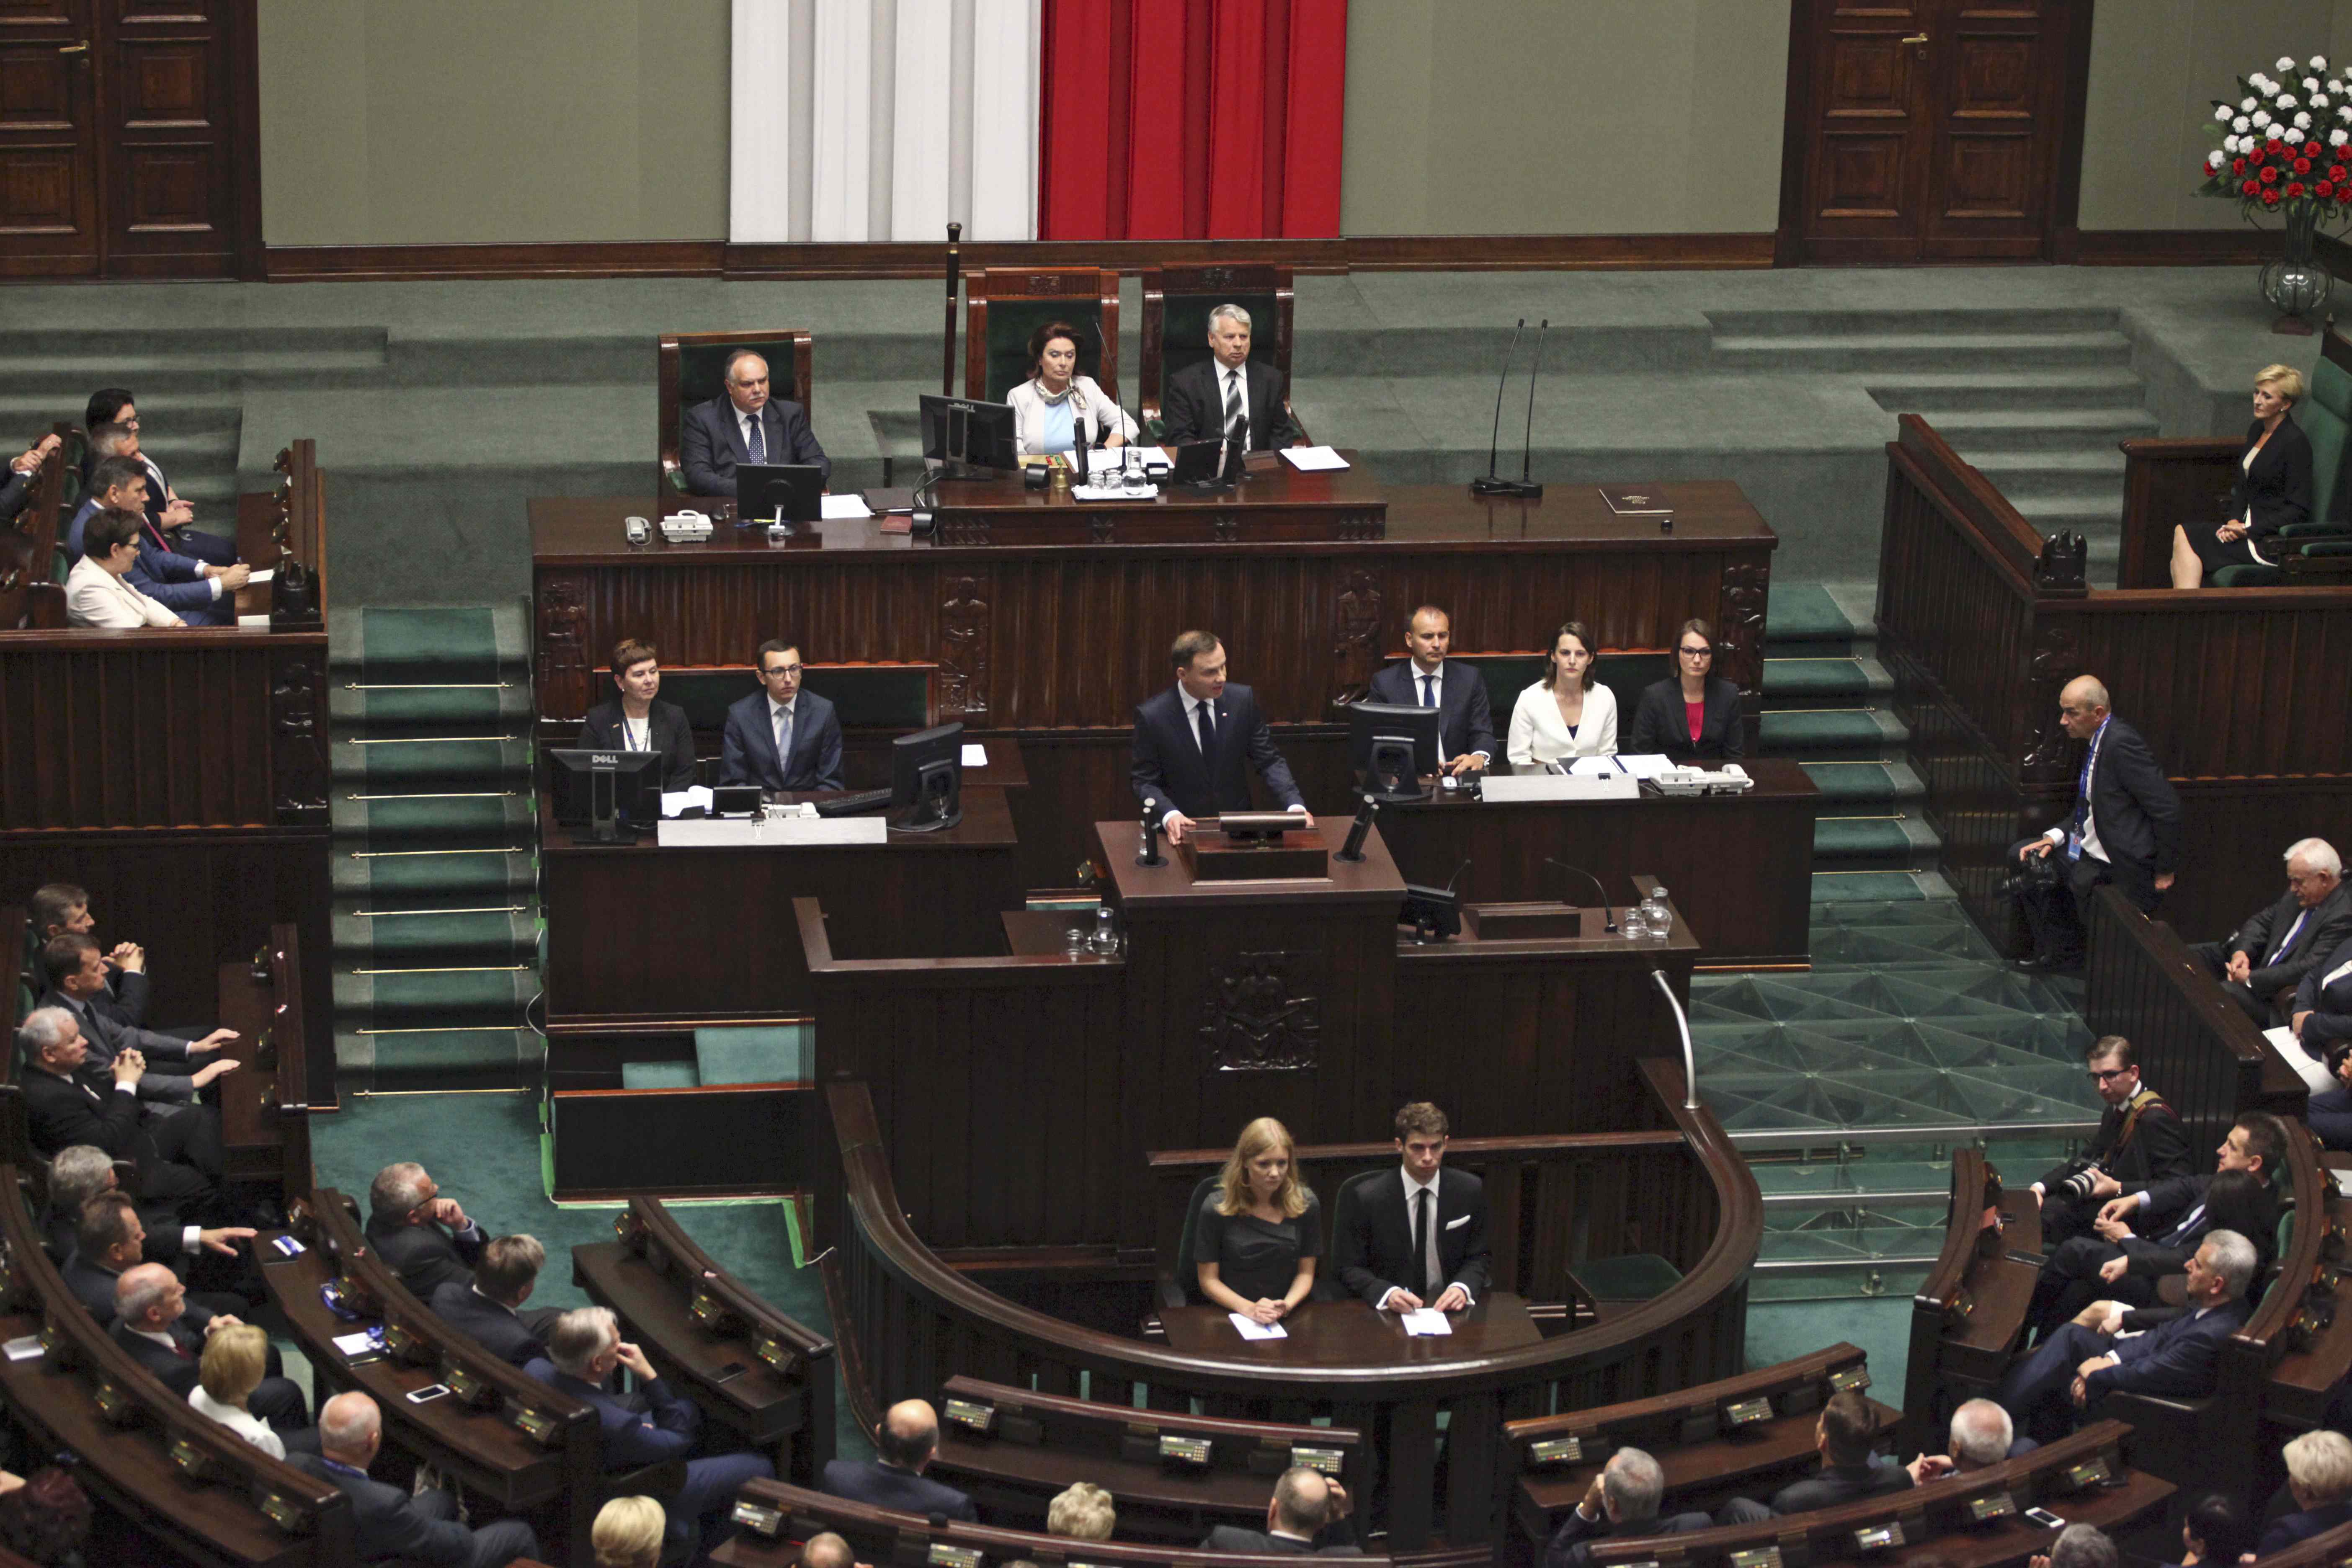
pixel 1259 1230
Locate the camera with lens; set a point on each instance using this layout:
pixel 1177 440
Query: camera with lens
pixel 2081 1176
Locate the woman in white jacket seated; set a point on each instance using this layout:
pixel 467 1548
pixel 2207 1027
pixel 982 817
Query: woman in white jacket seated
pixel 1057 408
pixel 98 591
pixel 1565 714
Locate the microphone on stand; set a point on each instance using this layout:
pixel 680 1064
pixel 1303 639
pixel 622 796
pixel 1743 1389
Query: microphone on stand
pixel 1493 485
pixel 1608 916
pixel 1527 442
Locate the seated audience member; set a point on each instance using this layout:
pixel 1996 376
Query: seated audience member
pixel 1083 1511
pixel 62 909
pixel 2280 945
pixel 1845 1435
pixel 24 472
pixel 1623 1501
pixel 155 1321
pixel 2080 1546
pixel 2140 1139
pixel 2217 1532
pixel 2319 1478
pixel 114 406
pixel 1259 1231
pixel 2321 1016
pixel 1306 1517
pixel 1382 1232
pixel 628 1533
pixel 77 976
pixel 826 1549
pixel 2152 1227
pixel 585 1348
pixel 637 719
pixel 1465 736
pixel 390 1521
pixel 235 1364
pixel 45 1519
pixel 489 1305
pixel 109 1240
pixel 894 1479
pixel 744 426
pixel 68 1101
pixel 2273 488
pixel 1980 1436
pixel 99 590
pixel 81 1176
pixel 782 738
pixel 76 1175
pixel 2328 1112
pixel 199 592
pixel 2071 1370
pixel 427 1238
pixel 1568 713
pixel 1057 409
pixel 2126 829
pixel 1228 394
pixel 1694 715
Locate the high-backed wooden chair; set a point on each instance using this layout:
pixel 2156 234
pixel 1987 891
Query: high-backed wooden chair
pixel 692 368
pixel 1176 305
pixel 30 594
pixel 1002 305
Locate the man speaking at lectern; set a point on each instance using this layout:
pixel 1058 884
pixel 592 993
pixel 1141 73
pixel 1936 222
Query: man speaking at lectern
pixel 1192 739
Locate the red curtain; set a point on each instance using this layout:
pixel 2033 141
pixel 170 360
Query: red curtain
pixel 1192 118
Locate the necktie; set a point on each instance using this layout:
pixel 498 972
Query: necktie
pixel 1429 691
pixel 2287 942
pixel 756 441
pixel 1236 413
pixel 1208 731
pixel 1421 1243
pixel 784 741
pixel 2181 1232
pixel 2083 800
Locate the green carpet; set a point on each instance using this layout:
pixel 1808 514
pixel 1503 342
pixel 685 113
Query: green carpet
pixel 1783 1331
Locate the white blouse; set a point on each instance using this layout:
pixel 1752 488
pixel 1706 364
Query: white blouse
pixel 1090 411
pixel 97 597
pixel 1538 736
pixel 246 1425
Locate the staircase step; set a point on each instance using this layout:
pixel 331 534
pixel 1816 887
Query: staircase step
pixel 1892 843
pixel 2042 429
pixel 1799 614
pixel 1792 681
pixel 455 761
pixel 408 1060
pixel 1860 783
pixel 1836 323
pixel 1865 733
pixel 397 940
pixel 453 878
pixel 392 709
pixel 1864 352
pixel 429 643
pixel 470 998
pixel 467 820
pixel 1937 393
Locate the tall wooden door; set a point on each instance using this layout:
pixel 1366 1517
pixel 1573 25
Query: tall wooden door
pixel 1932 129
pixel 128 139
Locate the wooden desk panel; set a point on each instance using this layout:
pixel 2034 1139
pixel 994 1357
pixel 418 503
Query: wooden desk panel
pixel 1276 502
pixel 1351 1334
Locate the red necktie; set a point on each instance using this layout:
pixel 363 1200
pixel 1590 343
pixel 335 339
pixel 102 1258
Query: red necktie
pixel 157 534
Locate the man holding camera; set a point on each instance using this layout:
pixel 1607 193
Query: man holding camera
pixel 2140 1139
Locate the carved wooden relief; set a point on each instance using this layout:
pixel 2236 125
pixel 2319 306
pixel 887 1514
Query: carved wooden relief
pixel 963 652
pixel 1358 526
pixel 1745 590
pixel 1355 636
pixel 2063 565
pixel 298 743
pixel 564 665
pixel 1251 1021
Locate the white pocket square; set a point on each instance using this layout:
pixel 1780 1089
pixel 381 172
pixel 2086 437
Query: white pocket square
pixel 1457 1224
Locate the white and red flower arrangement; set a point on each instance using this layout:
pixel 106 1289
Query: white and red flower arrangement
pixel 2286 143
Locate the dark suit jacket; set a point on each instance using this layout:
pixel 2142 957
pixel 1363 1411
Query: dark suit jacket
pixel 2160 1245
pixel 673 737
pixel 2276 490
pixel 2325 929
pixel 84 1108
pixel 16 493
pixel 2303 1526
pixel 1468 723
pixel 2158 1148
pixel 388 1521
pixel 665 1430
pixel 1660 725
pixel 887 1486
pixel 109 1037
pixel 93 1286
pixel 172 580
pixel 1371 1235
pixel 1569 1544
pixel 175 1373
pixel 1233 1537
pixel 1835 1484
pixel 2172 1360
pixel 125 997
pixel 2330 1006
pixel 426 1256
pixel 495 1328
pixel 747 750
pixel 710 443
pixel 1168 765
pixel 2137 812
pixel 1194 407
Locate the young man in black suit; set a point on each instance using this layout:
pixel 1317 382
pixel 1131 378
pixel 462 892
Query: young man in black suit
pixel 389 1520
pixel 782 737
pixel 1193 740
pixel 1305 1517
pixel 2140 1139
pixel 1226 393
pixel 1415 1237
pixel 1466 730
pixel 488 1306
pixel 744 426
pixel 2126 829
pixel 636 721
pixel 894 1479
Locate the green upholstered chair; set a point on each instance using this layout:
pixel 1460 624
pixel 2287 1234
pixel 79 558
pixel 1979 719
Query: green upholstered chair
pixel 1176 305
pixel 1002 305
pixel 1182 1287
pixel 1633 1276
pixel 692 368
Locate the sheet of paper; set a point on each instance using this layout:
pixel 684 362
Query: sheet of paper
pixel 357 1344
pixel 975 754
pixel 2290 1051
pixel 2343 1182
pixel 253 623
pixel 1644 764
pixel 1251 1328
pixel 1102 457
pixel 1427 1320
pixel 1309 460
pixel 843 509
pixel 677 800
pixel 1592 767
pixel 24 1349
pixel 262 578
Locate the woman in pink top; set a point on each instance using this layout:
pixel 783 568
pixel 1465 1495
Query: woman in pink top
pixel 1693 717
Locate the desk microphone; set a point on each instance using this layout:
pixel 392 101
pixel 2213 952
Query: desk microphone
pixel 1528 491
pixel 1354 849
pixel 1146 852
pixel 1491 485
pixel 1608 917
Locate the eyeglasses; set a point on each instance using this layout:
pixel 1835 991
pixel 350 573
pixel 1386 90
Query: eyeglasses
pixel 792 669
pixel 2101 1074
pixel 1696 652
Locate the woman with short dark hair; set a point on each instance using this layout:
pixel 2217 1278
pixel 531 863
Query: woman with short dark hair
pixel 1694 714
pixel 1059 410
pixel 636 721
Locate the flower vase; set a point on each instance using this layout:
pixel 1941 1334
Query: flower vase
pixel 2296 282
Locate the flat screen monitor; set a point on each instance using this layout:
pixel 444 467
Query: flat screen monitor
pixel 1393 747
pixel 1206 463
pixel 764 490
pixel 926 779
pixel 967 432
pixel 605 791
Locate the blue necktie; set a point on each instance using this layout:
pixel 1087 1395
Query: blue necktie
pixel 1429 691
pixel 2083 799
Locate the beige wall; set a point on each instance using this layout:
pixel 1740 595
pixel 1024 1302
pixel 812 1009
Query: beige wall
pixel 1500 116
pixel 446 122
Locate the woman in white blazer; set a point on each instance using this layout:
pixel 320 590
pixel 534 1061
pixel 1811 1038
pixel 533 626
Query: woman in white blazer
pixel 1058 409
pixel 1565 714
pixel 98 593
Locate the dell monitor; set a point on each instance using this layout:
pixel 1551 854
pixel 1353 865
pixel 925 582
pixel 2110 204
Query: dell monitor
pixel 785 492
pixel 926 779
pixel 966 433
pixel 1393 747
pixel 606 791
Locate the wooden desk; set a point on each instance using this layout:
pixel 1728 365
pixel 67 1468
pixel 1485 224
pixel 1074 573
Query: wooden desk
pixel 1275 502
pixel 1351 1334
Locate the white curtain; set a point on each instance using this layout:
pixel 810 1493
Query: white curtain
pixel 872 119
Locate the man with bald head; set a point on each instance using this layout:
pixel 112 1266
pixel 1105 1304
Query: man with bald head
pixel 903 1447
pixel 745 424
pixel 826 1549
pixel 154 1320
pixel 1305 1508
pixel 2125 829
pixel 389 1521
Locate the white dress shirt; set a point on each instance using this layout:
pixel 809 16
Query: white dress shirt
pixel 97 597
pixel 1429 1263
pixel 2091 844
pixel 1538 735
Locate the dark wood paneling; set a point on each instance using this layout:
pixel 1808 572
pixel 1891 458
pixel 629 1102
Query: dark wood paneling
pixel 2170 247
pixel 48 143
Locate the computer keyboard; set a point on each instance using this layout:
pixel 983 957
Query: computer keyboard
pixel 851 805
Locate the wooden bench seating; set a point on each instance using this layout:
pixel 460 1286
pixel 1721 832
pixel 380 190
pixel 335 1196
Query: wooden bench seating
pixel 776 1518
pixel 2069 1478
pixel 695 1320
pixel 1967 1314
pixel 1034 1445
pixel 2323 1550
pixel 1707 1454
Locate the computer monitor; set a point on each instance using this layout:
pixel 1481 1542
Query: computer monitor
pixel 926 779
pixel 605 791
pixel 965 432
pixel 764 489
pixel 1393 747
pixel 1206 465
